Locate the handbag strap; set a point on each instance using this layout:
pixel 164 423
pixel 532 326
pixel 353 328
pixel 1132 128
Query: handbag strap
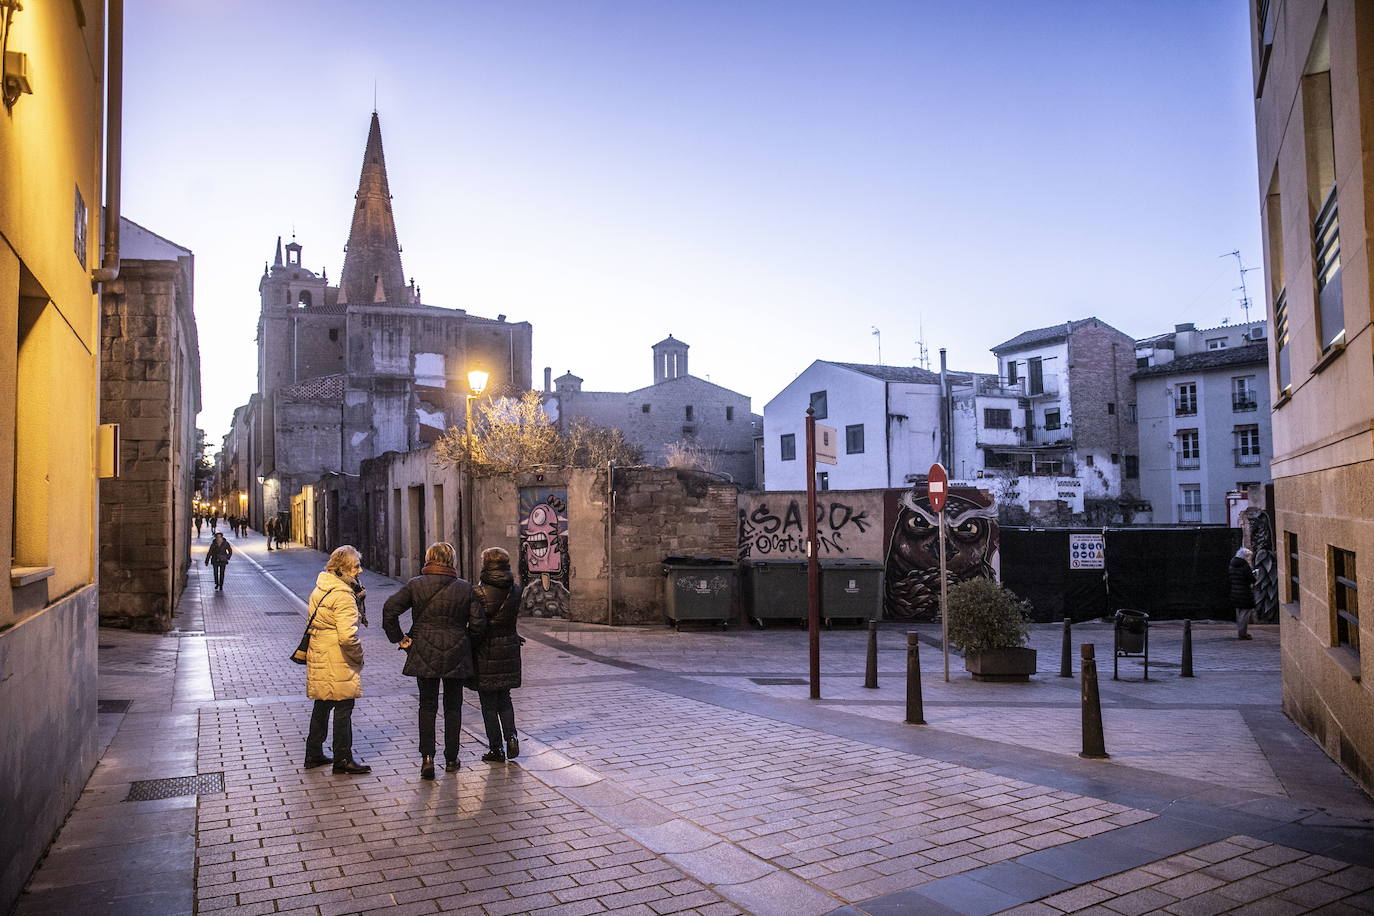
pixel 311 622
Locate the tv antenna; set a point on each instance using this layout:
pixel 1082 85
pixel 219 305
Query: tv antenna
pixel 878 334
pixel 1244 293
pixel 922 351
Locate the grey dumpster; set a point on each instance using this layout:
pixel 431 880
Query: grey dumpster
pixel 777 591
pixel 699 588
pixel 851 590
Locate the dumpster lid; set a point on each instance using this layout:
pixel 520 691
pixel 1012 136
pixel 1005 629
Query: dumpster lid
pixel 698 561
pixel 851 564
pixel 1126 612
pixel 784 561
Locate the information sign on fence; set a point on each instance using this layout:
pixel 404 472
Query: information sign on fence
pixel 1087 551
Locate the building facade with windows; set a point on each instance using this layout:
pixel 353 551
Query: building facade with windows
pixel 1315 144
pixel 1202 400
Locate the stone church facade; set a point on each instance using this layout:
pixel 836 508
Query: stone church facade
pixel 350 371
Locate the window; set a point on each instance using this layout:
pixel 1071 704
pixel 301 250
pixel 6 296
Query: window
pixel 688 413
pixel 822 480
pixel 1247 446
pixel 1273 231
pixel 1190 503
pixel 996 418
pixel 1052 419
pixel 1216 343
pixel 1116 458
pixel 1322 200
pixel 1132 467
pixel 643 408
pixel 1243 394
pixel 1130 413
pixel 1111 409
pixel 1285 373
pixel 854 439
pixel 729 414
pixel 1186 405
pixel 333 332
pixel 1189 450
pixel 1290 546
pixel 787 447
pixel 1142 361
pixel 818 404
pixel 1035 376
pixel 1088 460
pixel 1011 372
pixel 1345 598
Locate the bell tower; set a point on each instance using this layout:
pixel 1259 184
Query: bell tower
pixel 670 360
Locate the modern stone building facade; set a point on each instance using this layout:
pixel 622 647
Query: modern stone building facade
pixel 150 386
pixel 51 152
pixel 679 410
pixel 351 371
pixel 1315 130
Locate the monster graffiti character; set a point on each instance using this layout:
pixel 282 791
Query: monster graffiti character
pixel 543 552
pixel 913 558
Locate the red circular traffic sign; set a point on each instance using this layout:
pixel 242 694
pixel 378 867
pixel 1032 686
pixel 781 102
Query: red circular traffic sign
pixel 937 486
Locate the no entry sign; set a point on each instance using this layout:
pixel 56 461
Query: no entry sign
pixel 937 486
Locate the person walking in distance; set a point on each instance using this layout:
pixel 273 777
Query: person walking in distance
pixel 214 523
pixel 438 649
pixel 334 662
pixel 198 522
pixel 271 531
pixel 217 557
pixel 497 655
pixel 1242 582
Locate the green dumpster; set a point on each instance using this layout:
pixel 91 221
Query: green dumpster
pixel 777 591
pixel 700 588
pixel 851 590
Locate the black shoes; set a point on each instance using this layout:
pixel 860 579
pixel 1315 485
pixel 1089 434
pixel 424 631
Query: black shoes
pixel 350 767
pixel 494 756
pixel 512 747
pixel 451 764
pixel 316 760
pixel 427 767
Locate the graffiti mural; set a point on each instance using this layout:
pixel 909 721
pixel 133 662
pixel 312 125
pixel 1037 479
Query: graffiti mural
pixel 544 560
pixel 912 588
pixel 1266 564
pixel 772 526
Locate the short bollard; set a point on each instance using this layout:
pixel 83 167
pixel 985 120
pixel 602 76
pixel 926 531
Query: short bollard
pixel 915 715
pixel 1066 651
pixel 1187 649
pixel 1093 746
pixel 871 669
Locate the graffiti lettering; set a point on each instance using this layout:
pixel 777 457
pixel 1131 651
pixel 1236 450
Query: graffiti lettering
pixel 764 532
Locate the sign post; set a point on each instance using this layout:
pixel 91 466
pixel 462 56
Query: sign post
pixel 813 563
pixel 937 490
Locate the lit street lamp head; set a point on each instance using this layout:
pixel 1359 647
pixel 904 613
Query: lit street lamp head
pixel 477 381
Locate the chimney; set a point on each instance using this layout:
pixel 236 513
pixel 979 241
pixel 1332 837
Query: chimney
pixel 548 379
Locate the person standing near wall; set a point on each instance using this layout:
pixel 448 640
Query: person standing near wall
pixel 497 655
pixel 1242 582
pixel 217 557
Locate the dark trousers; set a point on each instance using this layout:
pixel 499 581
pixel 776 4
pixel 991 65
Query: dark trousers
pixel 498 715
pixel 343 729
pixel 453 714
pixel 219 573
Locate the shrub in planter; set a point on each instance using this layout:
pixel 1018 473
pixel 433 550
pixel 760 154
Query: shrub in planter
pixel 989 625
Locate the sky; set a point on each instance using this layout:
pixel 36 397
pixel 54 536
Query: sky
pixel 767 180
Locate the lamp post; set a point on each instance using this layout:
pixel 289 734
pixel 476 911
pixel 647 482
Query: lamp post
pixel 477 383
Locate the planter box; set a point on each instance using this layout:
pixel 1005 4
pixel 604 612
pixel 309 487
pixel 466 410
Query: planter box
pixel 1001 664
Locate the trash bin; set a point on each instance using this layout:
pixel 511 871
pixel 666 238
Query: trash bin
pixel 700 588
pixel 777 591
pixel 1131 628
pixel 851 590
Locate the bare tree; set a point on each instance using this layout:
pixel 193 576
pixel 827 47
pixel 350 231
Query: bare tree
pixel 691 456
pixel 515 434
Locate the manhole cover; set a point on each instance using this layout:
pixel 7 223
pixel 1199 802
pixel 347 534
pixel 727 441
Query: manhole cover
pixel 779 681
pixel 150 789
pixel 281 614
pixel 184 633
pixel 103 706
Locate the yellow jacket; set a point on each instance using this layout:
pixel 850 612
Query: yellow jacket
pixel 334 664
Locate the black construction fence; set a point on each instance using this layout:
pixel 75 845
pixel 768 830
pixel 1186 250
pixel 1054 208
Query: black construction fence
pixel 1169 573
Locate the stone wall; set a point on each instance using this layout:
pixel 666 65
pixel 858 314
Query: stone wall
pixel 150 386
pixel 1101 362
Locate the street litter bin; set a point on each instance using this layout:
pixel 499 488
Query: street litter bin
pixel 851 590
pixel 700 588
pixel 1131 637
pixel 777 591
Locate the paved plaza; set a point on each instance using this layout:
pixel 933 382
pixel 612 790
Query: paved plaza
pixel 688 772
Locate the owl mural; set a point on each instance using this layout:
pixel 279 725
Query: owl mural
pixel 913 556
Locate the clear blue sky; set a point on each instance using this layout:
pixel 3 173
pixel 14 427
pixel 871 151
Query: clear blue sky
pixel 765 179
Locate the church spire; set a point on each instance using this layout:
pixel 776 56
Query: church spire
pixel 278 261
pixel 373 255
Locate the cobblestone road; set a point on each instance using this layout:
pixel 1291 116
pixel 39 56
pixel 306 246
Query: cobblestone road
pixel 668 772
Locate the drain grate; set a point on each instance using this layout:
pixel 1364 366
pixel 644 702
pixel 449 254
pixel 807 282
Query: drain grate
pixel 779 681
pixel 151 789
pixel 184 633
pixel 281 614
pixel 104 706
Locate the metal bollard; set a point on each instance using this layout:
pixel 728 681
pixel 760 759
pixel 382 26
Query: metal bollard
pixel 915 715
pixel 1093 746
pixel 1066 650
pixel 871 669
pixel 1187 649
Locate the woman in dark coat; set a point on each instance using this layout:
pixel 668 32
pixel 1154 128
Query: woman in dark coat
pixel 1242 581
pixel 437 648
pixel 498 654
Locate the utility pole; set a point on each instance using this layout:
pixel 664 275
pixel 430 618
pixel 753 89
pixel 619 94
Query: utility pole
pixel 879 334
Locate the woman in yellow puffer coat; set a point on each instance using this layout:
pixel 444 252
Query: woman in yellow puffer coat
pixel 334 662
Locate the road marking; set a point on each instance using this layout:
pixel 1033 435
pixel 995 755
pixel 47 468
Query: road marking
pixel 273 579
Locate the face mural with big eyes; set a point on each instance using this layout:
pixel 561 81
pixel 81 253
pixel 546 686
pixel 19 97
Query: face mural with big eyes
pixel 913 559
pixel 543 553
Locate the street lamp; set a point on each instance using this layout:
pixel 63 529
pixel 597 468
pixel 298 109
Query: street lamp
pixel 477 383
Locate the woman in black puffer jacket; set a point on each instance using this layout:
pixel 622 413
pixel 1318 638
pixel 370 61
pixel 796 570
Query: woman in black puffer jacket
pixel 498 653
pixel 438 650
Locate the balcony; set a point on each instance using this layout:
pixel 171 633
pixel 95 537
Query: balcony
pixel 1188 464
pixel 1247 457
pixel 1243 403
pixel 1185 407
pixel 1189 512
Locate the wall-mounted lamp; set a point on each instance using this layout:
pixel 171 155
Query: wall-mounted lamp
pixel 16 77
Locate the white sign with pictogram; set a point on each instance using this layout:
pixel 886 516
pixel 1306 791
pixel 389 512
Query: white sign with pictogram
pixel 1087 551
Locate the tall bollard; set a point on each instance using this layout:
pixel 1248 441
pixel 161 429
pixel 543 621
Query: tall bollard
pixel 1187 649
pixel 1066 651
pixel 1093 746
pixel 871 669
pixel 915 715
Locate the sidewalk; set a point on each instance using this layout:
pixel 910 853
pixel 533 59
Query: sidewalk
pixel 688 772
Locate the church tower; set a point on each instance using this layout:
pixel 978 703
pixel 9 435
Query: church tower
pixel 372 260
pixel 670 360
pixel 287 290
